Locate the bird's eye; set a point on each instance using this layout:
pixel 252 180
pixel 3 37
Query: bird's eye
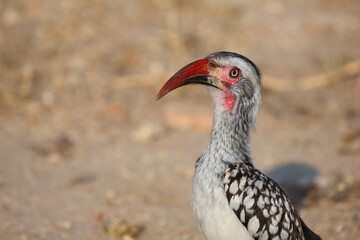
pixel 234 73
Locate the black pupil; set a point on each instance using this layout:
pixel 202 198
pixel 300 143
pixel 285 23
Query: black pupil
pixel 234 72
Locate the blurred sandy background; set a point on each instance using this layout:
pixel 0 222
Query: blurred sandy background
pixel 87 153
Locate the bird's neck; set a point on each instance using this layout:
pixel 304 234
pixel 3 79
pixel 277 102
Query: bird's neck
pixel 230 137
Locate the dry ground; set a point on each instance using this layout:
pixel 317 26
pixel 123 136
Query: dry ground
pixel 87 153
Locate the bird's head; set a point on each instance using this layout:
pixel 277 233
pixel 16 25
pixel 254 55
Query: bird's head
pixel 234 78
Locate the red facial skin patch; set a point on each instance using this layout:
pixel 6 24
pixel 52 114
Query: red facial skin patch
pixel 225 76
pixel 229 101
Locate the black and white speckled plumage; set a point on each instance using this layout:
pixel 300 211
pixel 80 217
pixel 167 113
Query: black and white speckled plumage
pixel 260 204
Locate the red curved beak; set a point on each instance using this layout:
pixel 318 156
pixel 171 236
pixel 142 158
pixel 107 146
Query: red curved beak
pixel 198 72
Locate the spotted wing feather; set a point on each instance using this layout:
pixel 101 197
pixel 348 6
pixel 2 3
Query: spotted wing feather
pixel 260 204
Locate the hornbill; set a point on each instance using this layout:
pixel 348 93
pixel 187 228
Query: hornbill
pixel 231 198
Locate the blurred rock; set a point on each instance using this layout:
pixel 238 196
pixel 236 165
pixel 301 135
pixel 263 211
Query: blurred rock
pixel 296 179
pixel 112 198
pixel 54 157
pixel 114 111
pixel 10 17
pixel 350 143
pixel 48 97
pixel 190 116
pixel 64 224
pixel 55 149
pixel 23 237
pixel 81 179
pixel 147 132
pixel 63 145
